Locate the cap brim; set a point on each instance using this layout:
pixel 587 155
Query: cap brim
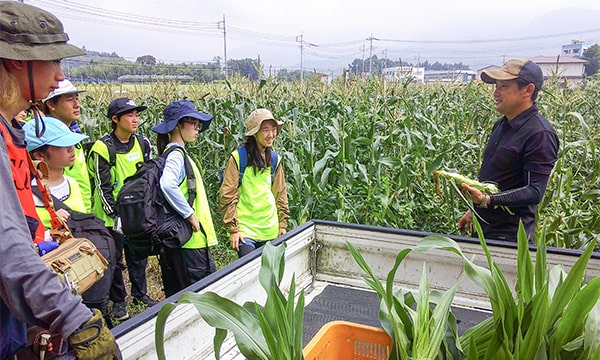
pixel 45 52
pixel 197 115
pixel 164 127
pixel 205 119
pixel 493 75
pixel 65 93
pixel 66 140
pixel 137 108
pixel 255 130
pixel 70 139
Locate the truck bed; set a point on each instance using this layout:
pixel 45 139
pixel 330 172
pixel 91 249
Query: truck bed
pixel 323 267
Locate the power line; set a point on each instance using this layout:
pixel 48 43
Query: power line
pixel 335 50
pixel 483 41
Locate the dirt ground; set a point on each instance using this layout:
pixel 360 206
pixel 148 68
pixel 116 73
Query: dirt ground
pixel 221 256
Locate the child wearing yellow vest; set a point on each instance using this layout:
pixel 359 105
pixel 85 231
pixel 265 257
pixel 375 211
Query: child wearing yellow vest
pixel 256 210
pixel 184 266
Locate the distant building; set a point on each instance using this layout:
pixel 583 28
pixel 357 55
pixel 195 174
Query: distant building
pixel 154 78
pixel 575 48
pixel 404 73
pixel 450 76
pixel 562 67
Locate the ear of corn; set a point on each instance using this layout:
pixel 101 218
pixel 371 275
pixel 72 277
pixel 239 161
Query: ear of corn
pixel 485 187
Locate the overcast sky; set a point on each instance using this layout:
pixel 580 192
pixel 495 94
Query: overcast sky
pixel 332 30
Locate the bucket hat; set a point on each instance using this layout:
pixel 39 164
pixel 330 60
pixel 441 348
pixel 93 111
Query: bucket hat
pixel 513 69
pixel 65 87
pixel 255 120
pixel 122 106
pixel 30 33
pixel 56 134
pixel 178 110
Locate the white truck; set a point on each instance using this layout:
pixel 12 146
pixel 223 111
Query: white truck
pixel 317 255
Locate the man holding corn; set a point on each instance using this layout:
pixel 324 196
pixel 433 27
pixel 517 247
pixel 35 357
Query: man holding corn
pixel 519 156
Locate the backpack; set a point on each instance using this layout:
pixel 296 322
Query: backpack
pixel 244 163
pixel 148 221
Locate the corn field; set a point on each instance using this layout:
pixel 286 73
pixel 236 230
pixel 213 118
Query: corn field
pixel 364 152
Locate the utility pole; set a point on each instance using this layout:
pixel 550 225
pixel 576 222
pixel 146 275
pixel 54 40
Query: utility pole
pixel 224 43
pixel 300 39
pixel 363 60
pixel 371 38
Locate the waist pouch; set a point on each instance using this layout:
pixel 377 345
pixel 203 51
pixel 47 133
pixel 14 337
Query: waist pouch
pixel 78 262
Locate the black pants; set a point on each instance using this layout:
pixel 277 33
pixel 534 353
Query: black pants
pixel 136 268
pixel 182 267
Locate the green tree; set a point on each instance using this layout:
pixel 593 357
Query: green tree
pixel 592 54
pixel 146 60
pixel 248 68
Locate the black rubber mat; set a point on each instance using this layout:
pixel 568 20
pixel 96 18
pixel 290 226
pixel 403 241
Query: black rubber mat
pixel 361 306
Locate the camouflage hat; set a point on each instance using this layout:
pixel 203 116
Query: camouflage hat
pixel 30 33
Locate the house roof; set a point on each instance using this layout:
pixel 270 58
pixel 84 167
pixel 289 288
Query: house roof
pixel 488 67
pixel 561 59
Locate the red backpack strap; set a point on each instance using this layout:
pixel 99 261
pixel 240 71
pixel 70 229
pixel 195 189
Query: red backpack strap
pixel 60 231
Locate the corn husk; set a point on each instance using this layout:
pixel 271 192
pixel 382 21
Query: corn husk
pixel 485 187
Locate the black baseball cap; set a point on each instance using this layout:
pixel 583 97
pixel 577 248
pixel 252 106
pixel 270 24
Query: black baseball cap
pixel 122 106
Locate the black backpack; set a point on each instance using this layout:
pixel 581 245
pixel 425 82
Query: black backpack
pixel 148 221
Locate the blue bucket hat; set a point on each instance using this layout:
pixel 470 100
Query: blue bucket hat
pixel 57 134
pixel 178 110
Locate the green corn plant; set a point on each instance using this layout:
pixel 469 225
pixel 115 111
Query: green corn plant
pixel 555 315
pixel 272 331
pixel 421 333
pixel 364 152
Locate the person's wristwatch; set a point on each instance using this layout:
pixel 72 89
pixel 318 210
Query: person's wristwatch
pixel 484 203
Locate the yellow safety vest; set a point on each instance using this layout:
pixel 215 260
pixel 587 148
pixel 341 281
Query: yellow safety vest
pixel 79 172
pixel 202 211
pixel 256 208
pixel 74 201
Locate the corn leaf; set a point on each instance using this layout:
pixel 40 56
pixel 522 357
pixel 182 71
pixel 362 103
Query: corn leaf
pixel 572 322
pixel 567 289
pixel 223 313
pixel 591 341
pixel 159 332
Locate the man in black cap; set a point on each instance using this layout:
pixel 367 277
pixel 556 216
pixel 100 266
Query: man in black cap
pixel 111 160
pixel 519 156
pixel 32 42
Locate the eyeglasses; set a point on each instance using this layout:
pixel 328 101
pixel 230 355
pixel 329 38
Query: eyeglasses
pixel 195 123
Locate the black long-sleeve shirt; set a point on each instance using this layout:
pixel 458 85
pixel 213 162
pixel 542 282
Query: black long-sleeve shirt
pixel 519 158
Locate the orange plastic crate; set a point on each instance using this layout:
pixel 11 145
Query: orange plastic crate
pixel 342 340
